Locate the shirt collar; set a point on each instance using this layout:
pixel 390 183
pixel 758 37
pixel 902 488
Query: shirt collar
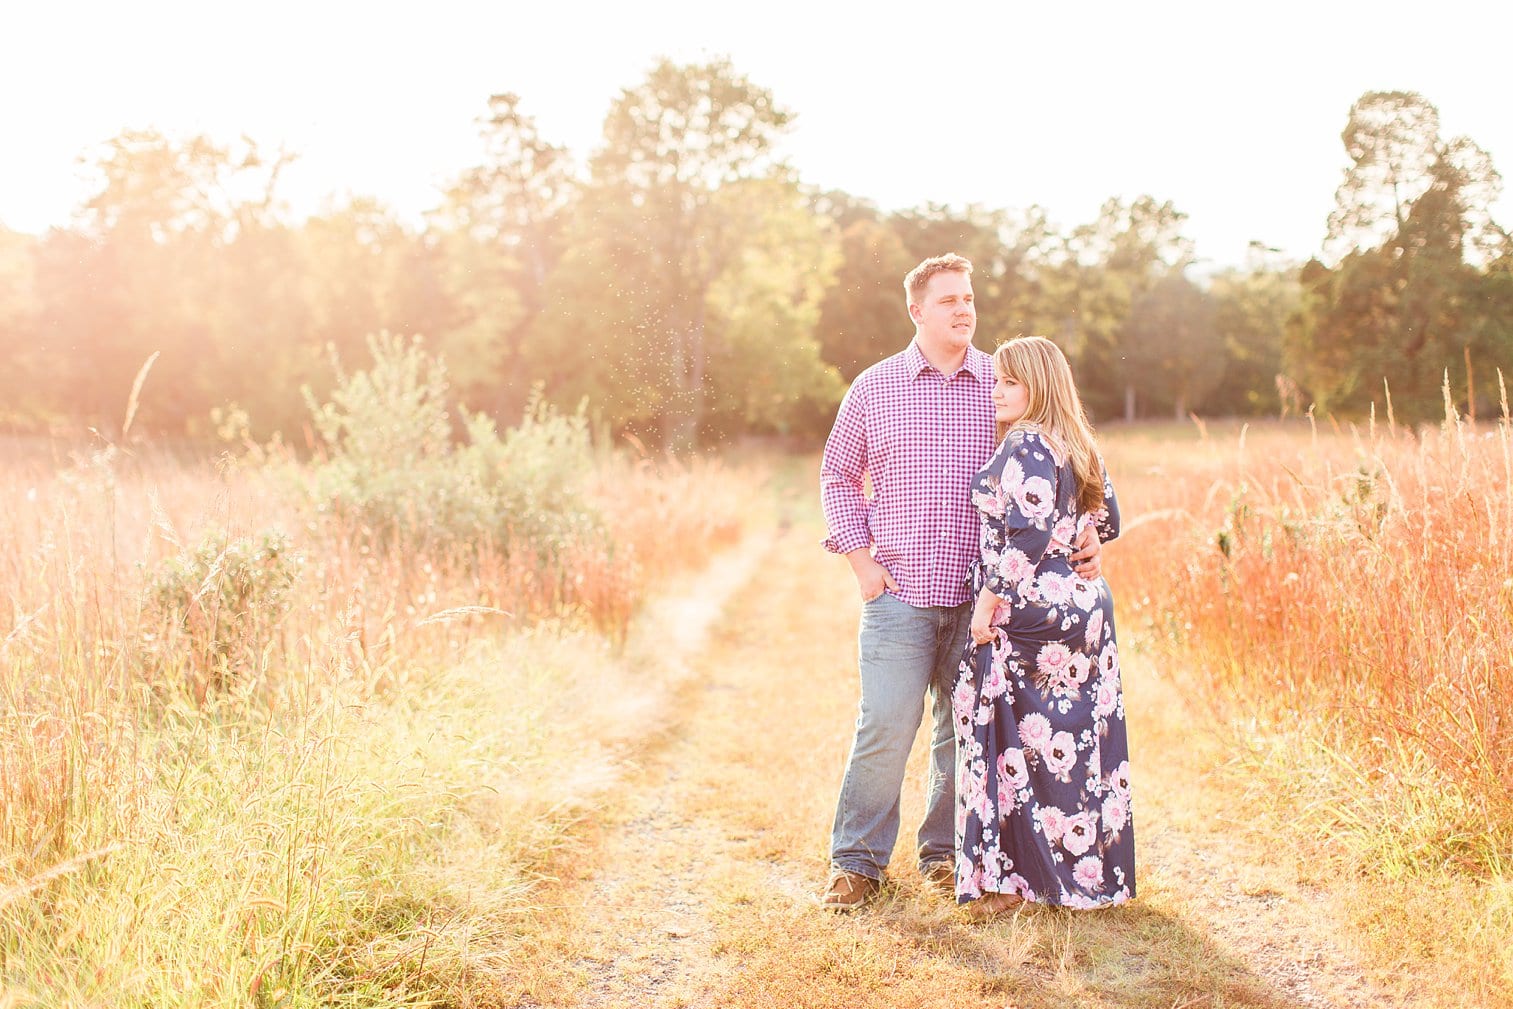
pixel 977 363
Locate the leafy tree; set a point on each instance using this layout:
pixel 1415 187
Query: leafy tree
pixel 1251 308
pixel 686 183
pixel 1338 345
pixel 81 317
pixel 864 318
pixel 19 382
pixel 180 252
pixel 502 235
pixel 154 226
pixel 1171 352
pixel 768 372
pixel 365 272
pixel 842 209
pixel 1390 137
pixel 128 282
pixel 1407 303
pixel 1489 332
pixel 258 313
pixel 1032 255
pixel 1092 283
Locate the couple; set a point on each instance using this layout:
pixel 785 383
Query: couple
pixel 977 557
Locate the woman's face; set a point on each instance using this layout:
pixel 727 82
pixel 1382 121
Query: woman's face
pixel 1010 400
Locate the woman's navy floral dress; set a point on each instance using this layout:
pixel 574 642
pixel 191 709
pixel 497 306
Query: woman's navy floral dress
pixel 1042 759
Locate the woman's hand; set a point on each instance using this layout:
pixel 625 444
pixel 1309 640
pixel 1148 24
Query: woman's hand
pixel 982 617
pixel 982 630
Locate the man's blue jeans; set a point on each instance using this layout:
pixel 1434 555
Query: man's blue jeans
pixel 906 651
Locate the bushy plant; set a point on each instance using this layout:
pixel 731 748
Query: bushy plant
pixel 214 611
pixel 391 460
pixel 534 475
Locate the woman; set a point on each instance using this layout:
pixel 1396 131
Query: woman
pixel 1042 760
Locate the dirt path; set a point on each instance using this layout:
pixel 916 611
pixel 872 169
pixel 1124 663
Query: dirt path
pixel 642 918
pixel 694 885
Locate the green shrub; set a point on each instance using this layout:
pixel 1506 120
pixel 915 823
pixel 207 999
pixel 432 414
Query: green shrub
pixel 391 461
pixel 534 476
pixel 216 609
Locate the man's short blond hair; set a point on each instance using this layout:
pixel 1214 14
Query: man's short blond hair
pixel 919 277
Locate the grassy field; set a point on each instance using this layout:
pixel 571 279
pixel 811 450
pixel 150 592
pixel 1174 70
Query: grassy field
pixel 252 755
pixel 304 766
pixel 1341 602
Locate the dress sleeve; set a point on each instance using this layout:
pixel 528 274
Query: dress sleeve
pixel 1027 492
pixel 1106 519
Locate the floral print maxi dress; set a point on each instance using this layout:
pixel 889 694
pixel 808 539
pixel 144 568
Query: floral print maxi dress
pixel 1042 759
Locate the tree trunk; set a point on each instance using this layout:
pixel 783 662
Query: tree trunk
pixel 680 424
pixel 1129 402
pixel 679 432
pixel 698 359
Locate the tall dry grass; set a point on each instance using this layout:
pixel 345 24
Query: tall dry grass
pixel 1344 598
pixel 349 802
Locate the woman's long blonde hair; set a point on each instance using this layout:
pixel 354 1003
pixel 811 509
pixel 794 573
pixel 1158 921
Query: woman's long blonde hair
pixel 1054 406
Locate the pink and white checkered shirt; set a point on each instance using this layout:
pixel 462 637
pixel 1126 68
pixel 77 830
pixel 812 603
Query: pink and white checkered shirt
pixel 921 436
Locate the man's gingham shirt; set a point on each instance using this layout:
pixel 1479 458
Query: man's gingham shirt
pixel 921 437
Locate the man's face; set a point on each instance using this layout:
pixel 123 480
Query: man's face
pixel 945 314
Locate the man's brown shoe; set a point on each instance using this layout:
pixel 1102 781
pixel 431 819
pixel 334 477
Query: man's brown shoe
pixel 940 877
pixel 849 891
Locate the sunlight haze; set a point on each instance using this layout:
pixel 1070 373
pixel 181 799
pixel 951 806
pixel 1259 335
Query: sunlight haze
pixel 1235 117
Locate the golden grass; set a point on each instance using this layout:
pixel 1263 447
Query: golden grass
pixel 444 779
pixel 1342 597
pixel 362 812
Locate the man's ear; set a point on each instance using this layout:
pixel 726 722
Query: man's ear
pixel 914 312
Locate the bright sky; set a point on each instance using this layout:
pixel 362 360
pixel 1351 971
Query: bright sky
pixel 1231 111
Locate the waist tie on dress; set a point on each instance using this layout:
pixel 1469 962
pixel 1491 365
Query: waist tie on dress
pixel 976 576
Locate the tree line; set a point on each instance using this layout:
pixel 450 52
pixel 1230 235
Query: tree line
pixel 685 286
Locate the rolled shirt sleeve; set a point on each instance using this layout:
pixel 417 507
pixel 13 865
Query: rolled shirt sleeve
pixel 842 469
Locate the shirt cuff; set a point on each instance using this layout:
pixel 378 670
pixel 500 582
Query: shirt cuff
pixel 845 543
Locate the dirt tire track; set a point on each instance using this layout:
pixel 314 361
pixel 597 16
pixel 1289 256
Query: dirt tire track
pixel 644 909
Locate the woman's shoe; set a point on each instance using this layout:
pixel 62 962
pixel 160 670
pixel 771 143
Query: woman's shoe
pixel 991 905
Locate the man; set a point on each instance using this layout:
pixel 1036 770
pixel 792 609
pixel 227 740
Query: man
pixel 919 424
